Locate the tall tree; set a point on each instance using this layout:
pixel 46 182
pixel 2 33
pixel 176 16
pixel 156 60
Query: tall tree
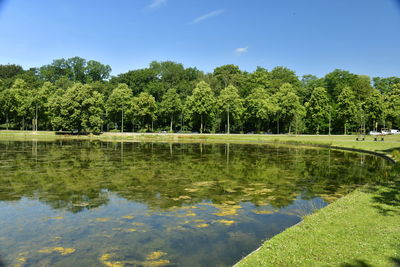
pixel 260 78
pixel 290 110
pixel 226 75
pixel 230 102
pixel 260 106
pixel 201 103
pixel 362 87
pixel 385 85
pixel 145 108
pixel 95 71
pixel 309 83
pixel 22 100
pixel 79 108
pixel 40 103
pixel 171 106
pixel 392 104
pixel 10 71
pixel 7 103
pixel 281 75
pixel 347 107
pixel 318 108
pixel 337 80
pixel 374 108
pixel 75 69
pixel 119 104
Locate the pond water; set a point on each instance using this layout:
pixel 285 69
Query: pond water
pixel 81 203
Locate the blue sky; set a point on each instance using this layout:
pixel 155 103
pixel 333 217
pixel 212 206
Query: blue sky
pixel 308 36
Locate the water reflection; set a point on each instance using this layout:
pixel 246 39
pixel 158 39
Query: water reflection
pixel 171 204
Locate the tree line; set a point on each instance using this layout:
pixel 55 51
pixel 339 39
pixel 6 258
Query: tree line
pixel 76 94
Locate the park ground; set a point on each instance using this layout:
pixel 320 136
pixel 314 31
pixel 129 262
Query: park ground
pixel 360 229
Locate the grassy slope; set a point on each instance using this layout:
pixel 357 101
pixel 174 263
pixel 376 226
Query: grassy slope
pixel 360 229
pixel 349 232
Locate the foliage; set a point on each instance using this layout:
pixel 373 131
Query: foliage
pixel 120 104
pixel 230 103
pixel 145 109
pixel 347 108
pixel 79 108
pixel 290 109
pixel 261 107
pixel 374 108
pixel 318 110
pixel 171 106
pixel 264 100
pixel 201 103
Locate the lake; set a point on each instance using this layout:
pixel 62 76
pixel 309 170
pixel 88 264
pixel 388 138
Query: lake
pixel 82 203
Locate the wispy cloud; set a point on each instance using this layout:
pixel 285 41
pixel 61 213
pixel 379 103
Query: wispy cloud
pixel 208 15
pixel 157 3
pixel 241 50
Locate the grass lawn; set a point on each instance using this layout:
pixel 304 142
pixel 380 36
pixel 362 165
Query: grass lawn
pixel 360 229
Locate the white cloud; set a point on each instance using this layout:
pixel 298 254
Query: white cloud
pixel 241 50
pixel 157 3
pixel 208 15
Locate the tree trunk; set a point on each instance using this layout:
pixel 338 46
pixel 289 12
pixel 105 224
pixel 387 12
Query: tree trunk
pixel 7 121
pixel 278 125
pixel 229 130
pixel 23 123
pixel 122 120
pixel 170 129
pixel 290 128
pixel 345 129
pixel 181 121
pixel 201 123
pixel 152 125
pixel 36 119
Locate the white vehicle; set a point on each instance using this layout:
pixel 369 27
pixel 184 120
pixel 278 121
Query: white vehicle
pixel 374 133
pixel 394 131
pixel 385 132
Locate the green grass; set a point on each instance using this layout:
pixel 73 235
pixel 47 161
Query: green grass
pixel 360 229
pixel 356 230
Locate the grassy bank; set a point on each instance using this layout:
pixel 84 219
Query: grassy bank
pixel 360 229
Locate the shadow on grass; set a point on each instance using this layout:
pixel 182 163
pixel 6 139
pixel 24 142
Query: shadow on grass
pixel 396 261
pixel 387 193
pixel 356 263
pixel 362 263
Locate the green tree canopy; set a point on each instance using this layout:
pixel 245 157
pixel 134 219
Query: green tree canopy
pixel 145 109
pixel 79 108
pixel 374 108
pixel 261 107
pixel 119 105
pixel 230 103
pixel 347 107
pixel 171 106
pixel 290 110
pixel 201 103
pixel 392 104
pixel 318 110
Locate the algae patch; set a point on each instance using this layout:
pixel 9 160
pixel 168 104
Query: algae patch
pixel 103 219
pixel 155 255
pixel 61 250
pixel 226 222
